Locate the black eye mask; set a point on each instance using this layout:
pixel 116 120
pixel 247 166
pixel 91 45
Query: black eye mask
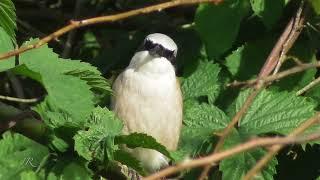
pixel 158 50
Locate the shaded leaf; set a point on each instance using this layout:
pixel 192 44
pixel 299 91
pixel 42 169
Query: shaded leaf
pixel 203 82
pixel 218 25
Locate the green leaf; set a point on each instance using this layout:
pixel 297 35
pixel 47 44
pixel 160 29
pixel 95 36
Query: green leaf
pixel 247 60
pixel 98 141
pixel 237 166
pixel 271 111
pixel 59 107
pixel 205 119
pixel 203 82
pixel 135 140
pixel 8 17
pixel 29 175
pixel 268 10
pixel 65 168
pixel 218 25
pixel 315 5
pixel 5 46
pixel 127 159
pixel 303 51
pixel 201 122
pixel 75 170
pixel 19 153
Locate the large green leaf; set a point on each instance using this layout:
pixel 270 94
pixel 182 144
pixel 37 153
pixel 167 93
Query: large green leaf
pixel 273 112
pixel 8 17
pixel 218 25
pixel 19 153
pixel 203 82
pixel 201 121
pixel 65 84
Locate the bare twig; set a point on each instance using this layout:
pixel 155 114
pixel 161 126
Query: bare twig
pixel 285 42
pixel 258 142
pixel 309 86
pixel 19 100
pixel 297 69
pixel 111 18
pixel 276 148
pixel 297 25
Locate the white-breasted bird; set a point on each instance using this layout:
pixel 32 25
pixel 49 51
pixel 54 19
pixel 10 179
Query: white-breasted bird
pixel 147 97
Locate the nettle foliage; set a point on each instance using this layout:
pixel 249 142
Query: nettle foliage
pixel 83 140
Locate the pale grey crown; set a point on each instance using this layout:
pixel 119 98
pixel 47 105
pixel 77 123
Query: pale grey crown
pixel 160 45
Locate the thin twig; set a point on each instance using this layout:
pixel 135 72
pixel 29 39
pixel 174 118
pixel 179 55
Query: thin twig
pixel 309 86
pixel 276 148
pixel 103 19
pixel 285 42
pixel 297 25
pixel 267 79
pixel 19 100
pixel 251 144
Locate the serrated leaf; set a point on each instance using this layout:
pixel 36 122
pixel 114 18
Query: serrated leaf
pixel 218 25
pixel 135 140
pixel 237 166
pixel 268 10
pixel 8 17
pixel 19 153
pixel 315 5
pixel 201 122
pixel 203 82
pixel 98 141
pixel 63 90
pixel 273 112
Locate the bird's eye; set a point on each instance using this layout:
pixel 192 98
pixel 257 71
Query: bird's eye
pixel 168 54
pixel 148 45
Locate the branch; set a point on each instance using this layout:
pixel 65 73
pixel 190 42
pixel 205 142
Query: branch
pixel 297 25
pixel 299 68
pixel 251 144
pixel 19 100
pixel 309 86
pixel 102 19
pixel 285 42
pixel 275 148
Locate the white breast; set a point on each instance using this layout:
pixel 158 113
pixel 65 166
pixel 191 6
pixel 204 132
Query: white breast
pixel 148 99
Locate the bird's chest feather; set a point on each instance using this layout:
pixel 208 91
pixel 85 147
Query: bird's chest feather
pixel 147 103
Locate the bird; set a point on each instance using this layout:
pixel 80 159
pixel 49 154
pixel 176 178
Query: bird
pixel 147 98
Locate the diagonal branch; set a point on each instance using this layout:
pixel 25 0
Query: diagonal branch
pixel 103 19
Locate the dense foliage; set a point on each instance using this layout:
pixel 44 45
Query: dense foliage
pixel 68 132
